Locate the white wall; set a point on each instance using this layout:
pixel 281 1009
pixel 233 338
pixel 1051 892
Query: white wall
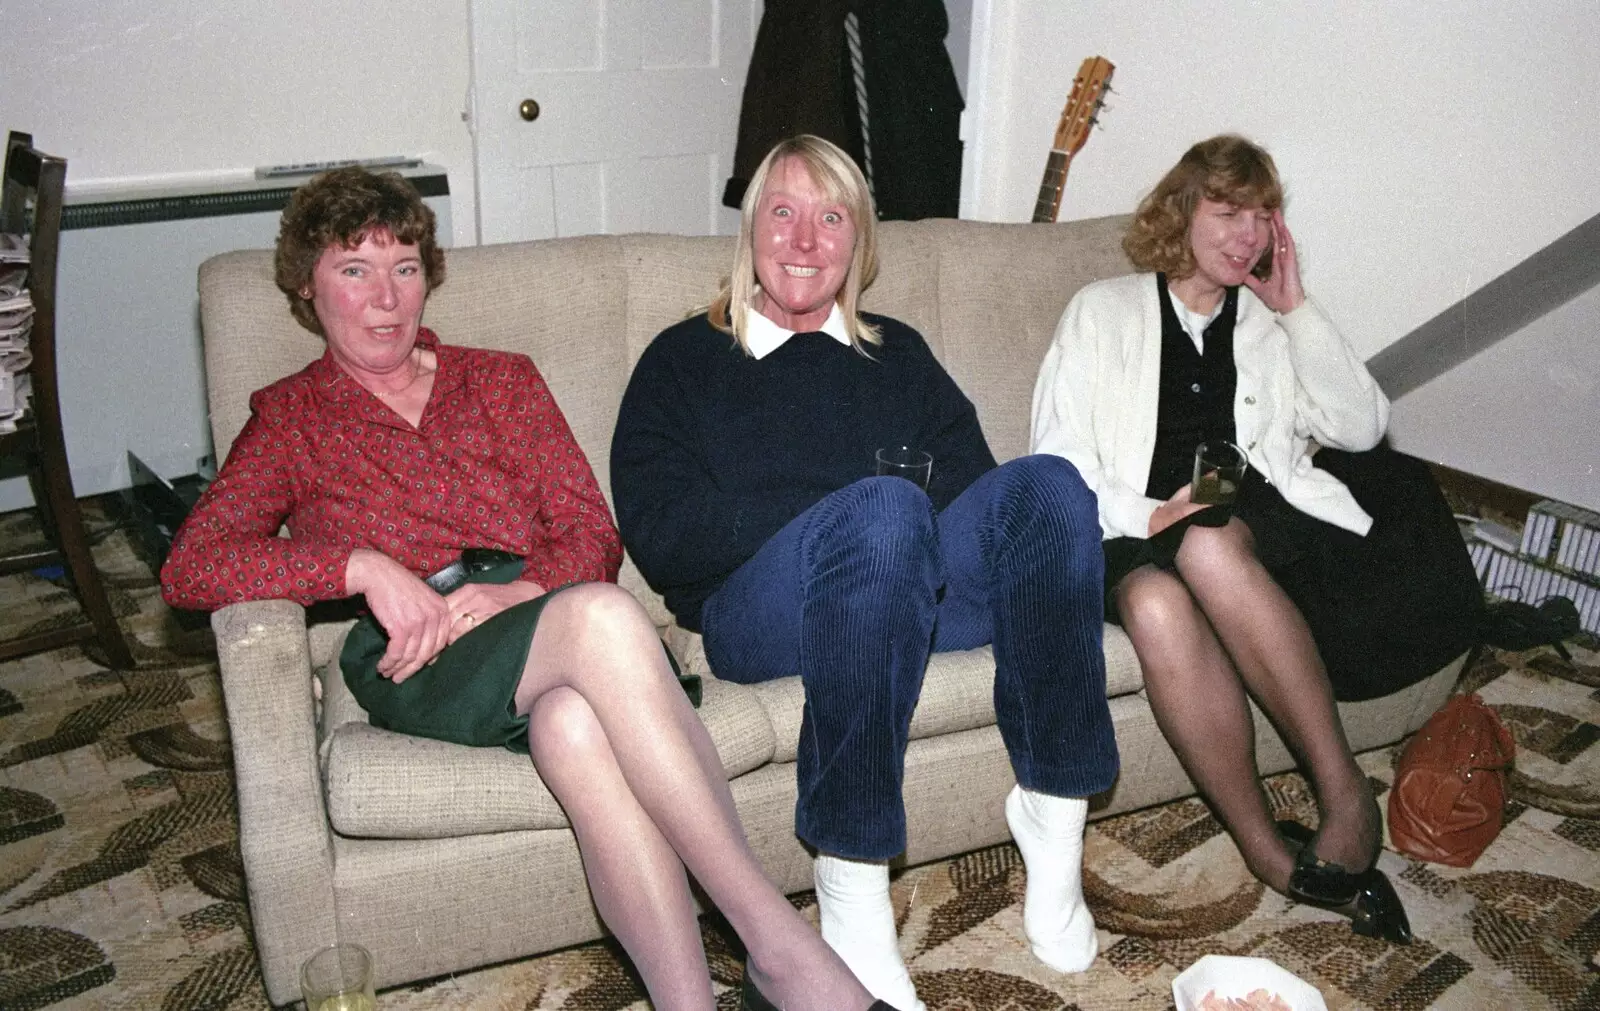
pixel 958 40
pixel 1427 148
pixel 130 91
pixel 1528 404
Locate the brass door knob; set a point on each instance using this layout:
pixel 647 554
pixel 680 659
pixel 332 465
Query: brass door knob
pixel 529 109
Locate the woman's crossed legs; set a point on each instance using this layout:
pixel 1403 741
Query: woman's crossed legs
pixel 616 741
pixel 1206 635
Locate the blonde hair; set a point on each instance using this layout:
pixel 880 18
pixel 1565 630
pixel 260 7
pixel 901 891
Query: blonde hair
pixel 1226 168
pixel 836 173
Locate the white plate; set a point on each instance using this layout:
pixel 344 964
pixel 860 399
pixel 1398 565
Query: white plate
pixel 1235 976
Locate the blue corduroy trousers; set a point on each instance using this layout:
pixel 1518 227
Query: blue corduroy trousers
pixel 856 592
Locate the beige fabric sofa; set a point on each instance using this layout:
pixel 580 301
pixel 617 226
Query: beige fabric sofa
pixel 440 858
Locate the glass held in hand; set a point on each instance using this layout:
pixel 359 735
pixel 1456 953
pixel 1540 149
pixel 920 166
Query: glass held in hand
pixel 1218 471
pixel 338 978
pixel 908 462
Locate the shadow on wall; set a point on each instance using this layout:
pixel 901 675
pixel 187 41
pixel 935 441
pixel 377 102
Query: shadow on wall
pixel 1539 285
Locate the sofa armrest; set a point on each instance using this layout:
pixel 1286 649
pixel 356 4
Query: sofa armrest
pixel 284 837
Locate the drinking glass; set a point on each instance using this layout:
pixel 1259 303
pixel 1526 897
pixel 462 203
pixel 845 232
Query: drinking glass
pixel 338 978
pixel 1218 470
pixel 913 464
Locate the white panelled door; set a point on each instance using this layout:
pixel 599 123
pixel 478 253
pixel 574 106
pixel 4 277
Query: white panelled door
pixel 607 115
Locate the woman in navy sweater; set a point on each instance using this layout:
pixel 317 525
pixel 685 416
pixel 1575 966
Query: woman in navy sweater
pixel 743 473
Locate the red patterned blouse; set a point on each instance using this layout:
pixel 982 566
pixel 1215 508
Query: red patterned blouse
pixel 492 464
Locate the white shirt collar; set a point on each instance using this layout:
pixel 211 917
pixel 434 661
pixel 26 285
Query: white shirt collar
pixel 1194 323
pixel 762 336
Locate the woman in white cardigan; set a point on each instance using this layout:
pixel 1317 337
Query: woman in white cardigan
pixel 1218 342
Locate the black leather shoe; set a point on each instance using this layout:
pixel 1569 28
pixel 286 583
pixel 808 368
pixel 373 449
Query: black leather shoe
pixel 1294 833
pixel 1367 898
pixel 751 999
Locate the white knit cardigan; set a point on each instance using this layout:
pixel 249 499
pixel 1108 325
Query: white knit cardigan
pixel 1300 384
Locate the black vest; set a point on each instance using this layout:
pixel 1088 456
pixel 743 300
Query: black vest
pixel 1197 390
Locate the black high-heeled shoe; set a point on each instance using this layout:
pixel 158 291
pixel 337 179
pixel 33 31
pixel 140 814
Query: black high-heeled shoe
pixel 751 999
pixel 1367 898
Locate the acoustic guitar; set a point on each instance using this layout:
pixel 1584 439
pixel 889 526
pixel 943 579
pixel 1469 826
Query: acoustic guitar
pixel 1088 93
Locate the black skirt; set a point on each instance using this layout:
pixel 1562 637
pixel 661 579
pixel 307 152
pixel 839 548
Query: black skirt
pixel 1386 610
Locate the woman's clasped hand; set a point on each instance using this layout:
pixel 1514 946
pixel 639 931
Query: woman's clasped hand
pixel 419 621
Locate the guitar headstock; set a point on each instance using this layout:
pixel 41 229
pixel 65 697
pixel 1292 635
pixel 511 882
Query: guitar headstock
pixel 1088 93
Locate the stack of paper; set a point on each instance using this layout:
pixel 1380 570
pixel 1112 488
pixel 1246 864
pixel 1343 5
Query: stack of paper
pixel 16 322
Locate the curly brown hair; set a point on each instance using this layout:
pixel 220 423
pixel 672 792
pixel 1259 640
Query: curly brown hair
pixel 1227 168
pixel 341 208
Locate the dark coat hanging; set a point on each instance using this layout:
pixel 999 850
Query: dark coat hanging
pixel 801 81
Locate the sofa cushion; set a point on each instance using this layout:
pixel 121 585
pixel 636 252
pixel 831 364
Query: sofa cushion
pixel 385 785
pixel 907 285
pixel 392 786
pixel 1002 289
pixel 1124 676
pixel 957 694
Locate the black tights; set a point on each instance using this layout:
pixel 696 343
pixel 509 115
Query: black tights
pixel 1207 634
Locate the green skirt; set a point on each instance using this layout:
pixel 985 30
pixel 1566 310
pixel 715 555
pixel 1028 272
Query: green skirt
pixel 466 696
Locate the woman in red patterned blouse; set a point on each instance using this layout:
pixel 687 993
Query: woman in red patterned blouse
pixel 386 458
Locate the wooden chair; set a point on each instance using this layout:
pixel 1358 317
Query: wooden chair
pixel 30 204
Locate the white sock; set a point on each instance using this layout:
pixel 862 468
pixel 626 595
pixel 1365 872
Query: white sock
pixel 1049 832
pixel 858 923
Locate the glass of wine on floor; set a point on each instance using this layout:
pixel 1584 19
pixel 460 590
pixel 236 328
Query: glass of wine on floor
pixel 339 978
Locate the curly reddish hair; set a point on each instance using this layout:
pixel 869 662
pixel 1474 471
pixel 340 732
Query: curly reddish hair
pixel 1227 168
pixel 341 208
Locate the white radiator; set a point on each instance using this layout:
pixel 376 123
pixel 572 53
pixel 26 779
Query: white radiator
pixel 128 319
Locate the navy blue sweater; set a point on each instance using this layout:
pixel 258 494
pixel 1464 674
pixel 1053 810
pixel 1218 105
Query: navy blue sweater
pixel 715 451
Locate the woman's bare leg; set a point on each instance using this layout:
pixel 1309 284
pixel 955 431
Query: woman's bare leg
pixel 1201 707
pixel 596 640
pixel 636 879
pixel 1272 648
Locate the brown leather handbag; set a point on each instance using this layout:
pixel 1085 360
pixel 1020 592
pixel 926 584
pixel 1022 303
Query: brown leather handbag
pixel 1449 793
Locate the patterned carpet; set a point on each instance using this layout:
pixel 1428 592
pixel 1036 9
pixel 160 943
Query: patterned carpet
pixel 121 886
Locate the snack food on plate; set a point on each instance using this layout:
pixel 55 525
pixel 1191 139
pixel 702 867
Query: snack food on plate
pixel 1255 1000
